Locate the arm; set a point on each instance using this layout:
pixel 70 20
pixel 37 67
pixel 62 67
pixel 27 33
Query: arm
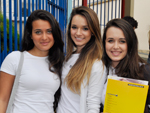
pixel 7 76
pixel 6 83
pixel 95 87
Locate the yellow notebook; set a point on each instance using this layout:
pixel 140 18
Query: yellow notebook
pixel 125 95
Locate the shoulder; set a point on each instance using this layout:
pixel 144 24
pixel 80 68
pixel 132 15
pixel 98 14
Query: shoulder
pixel 10 63
pixel 98 65
pixel 98 69
pixel 13 55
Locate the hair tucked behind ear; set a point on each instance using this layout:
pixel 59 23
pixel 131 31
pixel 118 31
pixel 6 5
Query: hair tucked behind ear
pixel 92 50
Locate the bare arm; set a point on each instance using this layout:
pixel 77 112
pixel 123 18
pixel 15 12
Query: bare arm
pixel 6 83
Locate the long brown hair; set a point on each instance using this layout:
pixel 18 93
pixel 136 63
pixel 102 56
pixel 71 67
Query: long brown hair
pixel 131 65
pixel 92 51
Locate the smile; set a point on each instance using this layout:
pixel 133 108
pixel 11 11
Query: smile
pixel 44 43
pixel 79 39
pixel 116 53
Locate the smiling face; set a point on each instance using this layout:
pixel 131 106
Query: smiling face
pixel 80 32
pixel 116 45
pixel 42 37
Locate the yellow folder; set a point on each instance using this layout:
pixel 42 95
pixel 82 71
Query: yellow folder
pixel 125 97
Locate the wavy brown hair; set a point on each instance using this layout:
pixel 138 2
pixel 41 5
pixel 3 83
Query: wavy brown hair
pixel 92 51
pixel 131 65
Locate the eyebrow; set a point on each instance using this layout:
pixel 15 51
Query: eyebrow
pixel 113 38
pixel 76 25
pixel 40 29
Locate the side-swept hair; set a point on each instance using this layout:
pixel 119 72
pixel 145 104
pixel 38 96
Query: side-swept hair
pixel 55 54
pixel 130 65
pixel 92 51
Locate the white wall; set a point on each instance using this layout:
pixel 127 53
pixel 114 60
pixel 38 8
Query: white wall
pixel 142 15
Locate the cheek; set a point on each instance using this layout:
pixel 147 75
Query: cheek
pixel 72 32
pixel 52 40
pixel 125 48
pixel 107 46
pixel 35 39
pixel 89 35
pixel 51 37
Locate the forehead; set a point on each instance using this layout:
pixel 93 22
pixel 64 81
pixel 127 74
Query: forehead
pixel 79 20
pixel 114 32
pixel 41 24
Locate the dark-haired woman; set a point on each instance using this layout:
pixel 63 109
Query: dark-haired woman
pixel 121 54
pixel 42 47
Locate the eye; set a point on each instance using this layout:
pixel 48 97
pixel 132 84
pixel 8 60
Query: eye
pixel 85 28
pixel 73 27
pixel 49 31
pixel 122 41
pixel 38 32
pixel 110 40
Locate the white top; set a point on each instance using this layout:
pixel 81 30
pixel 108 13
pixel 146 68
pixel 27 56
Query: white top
pixel 37 85
pixel 111 72
pixel 90 98
pixel 69 102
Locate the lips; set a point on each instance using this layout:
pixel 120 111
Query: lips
pixel 44 43
pixel 116 53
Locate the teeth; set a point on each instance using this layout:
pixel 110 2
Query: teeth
pixel 78 38
pixel 116 53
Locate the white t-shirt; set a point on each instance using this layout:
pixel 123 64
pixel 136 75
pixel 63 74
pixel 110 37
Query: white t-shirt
pixel 69 102
pixel 37 85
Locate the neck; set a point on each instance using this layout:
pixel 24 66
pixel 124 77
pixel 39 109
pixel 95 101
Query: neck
pixel 37 53
pixel 114 64
pixel 79 49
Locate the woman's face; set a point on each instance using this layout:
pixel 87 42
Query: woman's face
pixel 42 36
pixel 116 45
pixel 80 32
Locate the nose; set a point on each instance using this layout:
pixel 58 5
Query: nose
pixel 116 45
pixel 44 36
pixel 78 32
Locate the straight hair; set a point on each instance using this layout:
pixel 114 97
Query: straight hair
pixel 91 52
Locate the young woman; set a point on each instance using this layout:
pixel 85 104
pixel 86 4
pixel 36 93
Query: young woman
pixel 83 73
pixel 121 53
pixel 42 47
